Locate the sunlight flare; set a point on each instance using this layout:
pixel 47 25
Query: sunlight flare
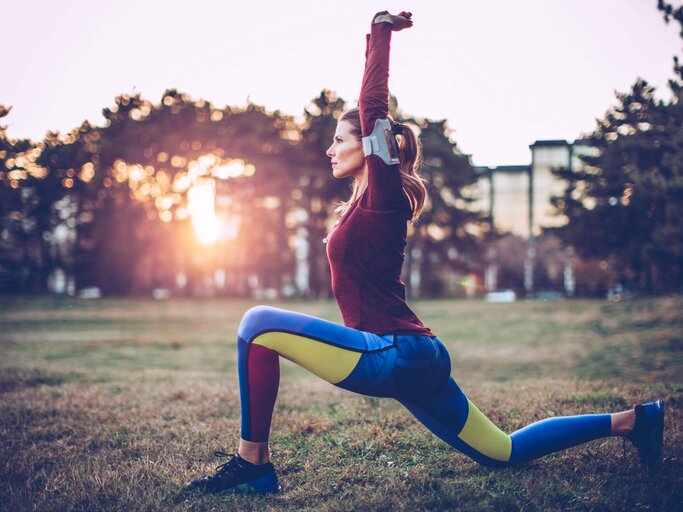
pixel 201 207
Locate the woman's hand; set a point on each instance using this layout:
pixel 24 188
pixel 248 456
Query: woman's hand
pixel 398 21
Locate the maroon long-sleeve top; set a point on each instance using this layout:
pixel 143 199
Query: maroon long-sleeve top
pixel 366 248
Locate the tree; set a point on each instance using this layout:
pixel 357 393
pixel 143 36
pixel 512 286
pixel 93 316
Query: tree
pixel 26 199
pixel 319 193
pixel 444 233
pixel 625 206
pixel 448 233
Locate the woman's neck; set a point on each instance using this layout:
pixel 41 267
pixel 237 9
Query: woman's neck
pixel 362 183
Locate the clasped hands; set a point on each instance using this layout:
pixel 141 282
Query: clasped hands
pixel 398 21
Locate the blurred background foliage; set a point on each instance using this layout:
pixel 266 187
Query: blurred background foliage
pixel 111 206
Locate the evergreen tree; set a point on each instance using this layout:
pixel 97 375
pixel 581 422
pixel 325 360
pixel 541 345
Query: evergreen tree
pixel 448 234
pixel 26 215
pixel 626 205
pixel 319 193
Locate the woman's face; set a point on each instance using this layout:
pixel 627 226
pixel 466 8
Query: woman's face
pixel 346 153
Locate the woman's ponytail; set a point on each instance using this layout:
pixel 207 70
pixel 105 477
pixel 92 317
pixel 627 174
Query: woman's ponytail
pixel 410 157
pixel 409 154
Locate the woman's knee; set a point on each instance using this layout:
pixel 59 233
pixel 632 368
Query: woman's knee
pixel 257 319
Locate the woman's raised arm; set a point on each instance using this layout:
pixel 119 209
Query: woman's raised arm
pixel 385 189
pixel 374 96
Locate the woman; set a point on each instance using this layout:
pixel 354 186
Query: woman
pixel 383 349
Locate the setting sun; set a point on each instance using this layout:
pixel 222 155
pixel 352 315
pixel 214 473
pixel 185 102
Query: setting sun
pixel 201 209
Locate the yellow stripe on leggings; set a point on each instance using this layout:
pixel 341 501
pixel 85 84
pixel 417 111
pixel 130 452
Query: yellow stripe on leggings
pixel 331 363
pixel 482 435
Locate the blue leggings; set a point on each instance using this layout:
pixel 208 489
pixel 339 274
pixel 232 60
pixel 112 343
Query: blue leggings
pixel 415 370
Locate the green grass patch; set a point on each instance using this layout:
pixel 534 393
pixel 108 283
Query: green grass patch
pixel 114 404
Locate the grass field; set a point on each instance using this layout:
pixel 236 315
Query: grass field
pixel 114 404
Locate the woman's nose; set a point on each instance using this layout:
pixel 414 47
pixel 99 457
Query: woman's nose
pixel 329 152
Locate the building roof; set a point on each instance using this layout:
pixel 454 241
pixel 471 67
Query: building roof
pixel 549 143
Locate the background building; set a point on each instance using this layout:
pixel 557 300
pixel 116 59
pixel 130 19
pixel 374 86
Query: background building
pixel 517 197
pixel 518 201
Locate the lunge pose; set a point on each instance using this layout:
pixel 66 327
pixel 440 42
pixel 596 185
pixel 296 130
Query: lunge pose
pixel 383 349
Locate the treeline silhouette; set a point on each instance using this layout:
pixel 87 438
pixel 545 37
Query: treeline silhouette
pixel 108 205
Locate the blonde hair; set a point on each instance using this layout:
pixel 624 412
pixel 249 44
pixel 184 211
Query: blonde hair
pixel 409 154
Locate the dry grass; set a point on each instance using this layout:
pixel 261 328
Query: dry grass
pixel 114 404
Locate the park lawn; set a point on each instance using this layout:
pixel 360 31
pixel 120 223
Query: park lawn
pixel 113 404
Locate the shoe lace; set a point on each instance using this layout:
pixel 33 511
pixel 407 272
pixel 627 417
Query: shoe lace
pixel 226 466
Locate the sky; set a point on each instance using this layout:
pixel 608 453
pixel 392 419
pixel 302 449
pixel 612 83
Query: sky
pixel 503 73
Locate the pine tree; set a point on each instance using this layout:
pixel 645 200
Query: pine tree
pixel 626 205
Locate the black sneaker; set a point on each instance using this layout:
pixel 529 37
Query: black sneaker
pixel 238 475
pixel 648 433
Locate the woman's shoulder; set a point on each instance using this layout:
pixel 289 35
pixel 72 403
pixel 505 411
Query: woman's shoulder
pixel 403 209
